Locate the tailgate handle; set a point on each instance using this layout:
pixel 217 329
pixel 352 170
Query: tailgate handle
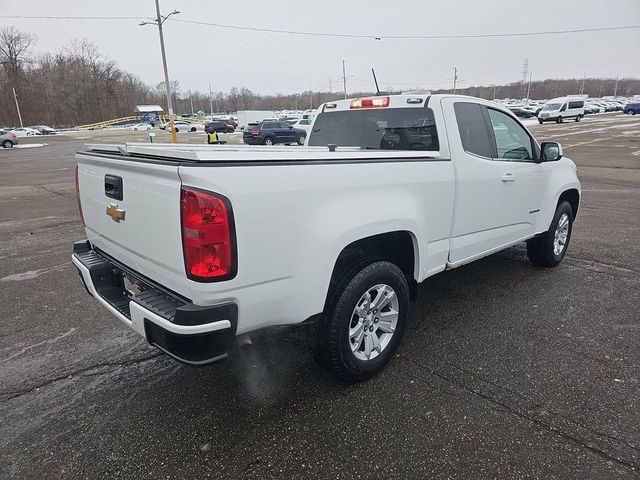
pixel 113 187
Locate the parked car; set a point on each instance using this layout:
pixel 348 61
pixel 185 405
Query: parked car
pixel 44 130
pixel 140 127
pixel 25 132
pixel 632 108
pixel 521 112
pixel 303 124
pixel 563 108
pixel 270 133
pixel 218 127
pixel 339 237
pixel 183 126
pixel 8 139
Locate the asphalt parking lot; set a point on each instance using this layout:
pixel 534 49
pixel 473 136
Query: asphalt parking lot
pixel 506 371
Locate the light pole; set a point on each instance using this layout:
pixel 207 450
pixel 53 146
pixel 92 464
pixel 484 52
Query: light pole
pixel 158 22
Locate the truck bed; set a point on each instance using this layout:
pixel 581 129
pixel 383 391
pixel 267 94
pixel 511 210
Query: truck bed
pixel 239 155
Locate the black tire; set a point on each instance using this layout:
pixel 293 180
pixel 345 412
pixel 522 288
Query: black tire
pixel 193 129
pixel 578 118
pixel 540 122
pixel 540 250
pixel 268 141
pixel 230 130
pixel 7 144
pixel 559 120
pixel 301 138
pixel 176 130
pixel 333 345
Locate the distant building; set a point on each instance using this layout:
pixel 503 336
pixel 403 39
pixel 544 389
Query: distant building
pixel 149 113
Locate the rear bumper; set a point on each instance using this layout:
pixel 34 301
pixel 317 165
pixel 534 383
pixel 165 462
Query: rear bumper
pixel 252 140
pixel 189 333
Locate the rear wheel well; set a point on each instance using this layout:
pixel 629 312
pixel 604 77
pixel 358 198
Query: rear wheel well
pixel 573 198
pixel 395 247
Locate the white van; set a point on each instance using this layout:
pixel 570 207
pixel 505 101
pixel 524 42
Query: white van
pixel 559 109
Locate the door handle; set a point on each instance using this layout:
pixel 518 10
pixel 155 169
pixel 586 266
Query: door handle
pixel 508 177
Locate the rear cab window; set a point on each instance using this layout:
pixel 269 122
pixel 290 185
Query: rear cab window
pixel 377 129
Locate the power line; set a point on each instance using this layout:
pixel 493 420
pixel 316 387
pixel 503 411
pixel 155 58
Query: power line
pixel 58 17
pixel 408 37
pixel 330 34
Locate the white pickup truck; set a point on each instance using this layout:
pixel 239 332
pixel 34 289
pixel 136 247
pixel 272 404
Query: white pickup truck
pixel 192 246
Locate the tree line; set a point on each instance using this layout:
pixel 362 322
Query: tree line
pixel 78 85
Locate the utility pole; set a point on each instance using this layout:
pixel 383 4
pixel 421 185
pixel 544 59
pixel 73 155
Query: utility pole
pixel 191 101
pixel 310 98
pixel 15 97
pixel 455 79
pixel 158 22
pixel 210 100
pixel 525 74
pixel 330 86
pixel 584 77
pixel 529 87
pixel 494 92
pixel 615 91
pixel 344 80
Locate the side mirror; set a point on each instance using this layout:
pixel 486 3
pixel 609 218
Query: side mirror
pixel 290 127
pixel 550 151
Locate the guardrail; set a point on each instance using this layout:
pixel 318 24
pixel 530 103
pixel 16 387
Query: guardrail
pixel 161 119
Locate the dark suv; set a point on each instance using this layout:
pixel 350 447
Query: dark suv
pixel 270 133
pixel 218 127
pixel 632 108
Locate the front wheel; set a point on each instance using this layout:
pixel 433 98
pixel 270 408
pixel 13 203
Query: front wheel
pixel 7 144
pixel 364 320
pixel 193 129
pixel 301 139
pixel 540 122
pixel 559 120
pixel 578 118
pixel 549 249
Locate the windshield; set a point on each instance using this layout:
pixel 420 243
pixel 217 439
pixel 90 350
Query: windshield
pixel 552 106
pixel 378 129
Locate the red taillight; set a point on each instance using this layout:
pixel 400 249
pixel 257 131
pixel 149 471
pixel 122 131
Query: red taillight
pixel 372 102
pixel 207 237
pixel 14 135
pixel 254 132
pixel 78 196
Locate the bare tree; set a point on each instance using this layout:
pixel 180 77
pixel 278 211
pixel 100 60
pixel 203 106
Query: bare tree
pixel 14 47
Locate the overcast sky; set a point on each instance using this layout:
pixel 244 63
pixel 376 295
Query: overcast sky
pixel 271 63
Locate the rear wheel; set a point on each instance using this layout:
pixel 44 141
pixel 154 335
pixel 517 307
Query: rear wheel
pixel 549 249
pixel 364 320
pixel 301 139
pixel 7 144
pixel 193 129
pixel 268 141
pixel 540 122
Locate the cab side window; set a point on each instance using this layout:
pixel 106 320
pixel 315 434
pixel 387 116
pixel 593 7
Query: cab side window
pixel 472 128
pixel 512 140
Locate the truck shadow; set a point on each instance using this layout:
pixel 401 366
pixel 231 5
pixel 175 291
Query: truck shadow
pixel 278 368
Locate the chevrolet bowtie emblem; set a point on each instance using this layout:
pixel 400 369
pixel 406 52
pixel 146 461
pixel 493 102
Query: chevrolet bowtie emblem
pixel 115 213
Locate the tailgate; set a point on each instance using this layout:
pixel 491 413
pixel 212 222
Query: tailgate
pixel 131 212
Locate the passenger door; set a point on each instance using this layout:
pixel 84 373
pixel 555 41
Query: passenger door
pixel 521 179
pixel 476 177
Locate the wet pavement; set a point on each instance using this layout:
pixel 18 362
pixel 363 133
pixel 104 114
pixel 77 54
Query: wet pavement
pixel 506 370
